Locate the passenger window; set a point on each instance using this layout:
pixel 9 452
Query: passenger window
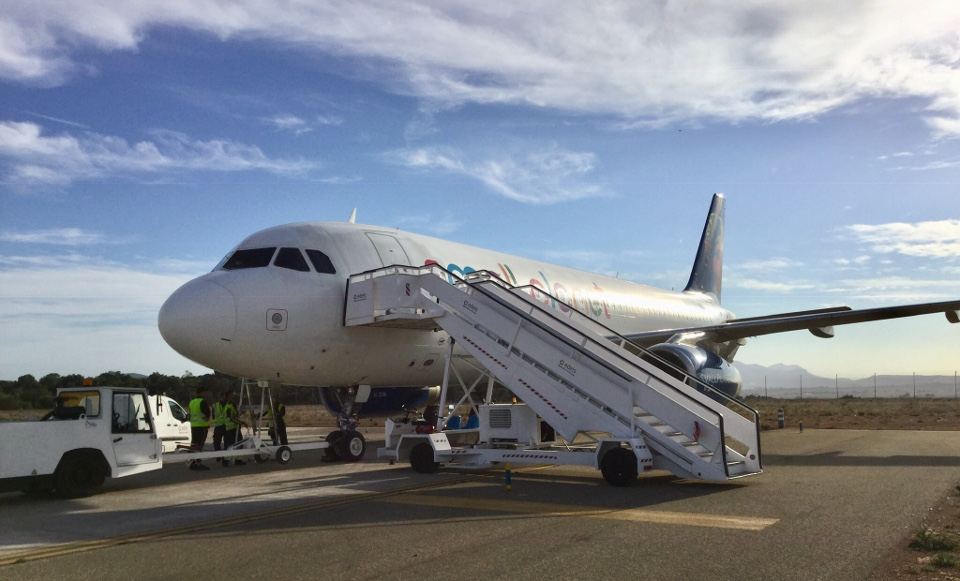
pixel 321 262
pixel 130 413
pixel 292 259
pixel 89 400
pixel 249 258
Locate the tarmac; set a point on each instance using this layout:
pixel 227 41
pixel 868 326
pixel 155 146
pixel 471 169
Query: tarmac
pixel 829 505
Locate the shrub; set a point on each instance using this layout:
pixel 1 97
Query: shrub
pixel 927 540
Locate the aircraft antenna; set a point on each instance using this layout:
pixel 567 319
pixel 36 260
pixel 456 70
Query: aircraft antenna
pixel 353 217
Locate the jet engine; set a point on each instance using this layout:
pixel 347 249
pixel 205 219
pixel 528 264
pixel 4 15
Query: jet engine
pixel 700 363
pixel 383 402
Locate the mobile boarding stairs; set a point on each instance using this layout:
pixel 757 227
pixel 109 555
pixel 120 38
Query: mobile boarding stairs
pixel 571 372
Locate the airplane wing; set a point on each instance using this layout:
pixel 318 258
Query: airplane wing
pixel 820 322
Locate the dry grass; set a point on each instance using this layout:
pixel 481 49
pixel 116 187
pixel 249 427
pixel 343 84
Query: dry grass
pixel 843 413
pixel 860 414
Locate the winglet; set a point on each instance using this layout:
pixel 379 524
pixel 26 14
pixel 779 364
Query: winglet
pixel 353 217
pixel 707 274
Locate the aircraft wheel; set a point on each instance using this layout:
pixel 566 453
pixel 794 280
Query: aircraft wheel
pixel 284 454
pixel 421 459
pixel 333 450
pixel 78 475
pixel 352 446
pixel 619 467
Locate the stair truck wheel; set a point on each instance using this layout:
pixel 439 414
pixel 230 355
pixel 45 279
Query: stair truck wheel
pixel 333 450
pixel 619 467
pixel 78 474
pixel 352 446
pixel 284 454
pixel 421 459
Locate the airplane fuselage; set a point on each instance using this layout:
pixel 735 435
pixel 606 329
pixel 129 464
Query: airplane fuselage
pixel 273 309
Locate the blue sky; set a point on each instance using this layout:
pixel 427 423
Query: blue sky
pixel 140 141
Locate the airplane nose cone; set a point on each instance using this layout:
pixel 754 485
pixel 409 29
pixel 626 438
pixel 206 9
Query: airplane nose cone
pixel 199 320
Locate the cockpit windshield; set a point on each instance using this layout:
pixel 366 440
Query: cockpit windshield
pixel 249 258
pixel 321 262
pixel 291 258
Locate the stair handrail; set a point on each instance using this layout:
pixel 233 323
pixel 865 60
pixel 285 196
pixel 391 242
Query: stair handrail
pixel 475 280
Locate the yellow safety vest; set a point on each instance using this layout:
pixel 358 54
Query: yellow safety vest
pixel 230 416
pixel 197 419
pixel 219 414
pixel 279 414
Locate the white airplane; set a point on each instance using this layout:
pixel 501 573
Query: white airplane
pixel 273 310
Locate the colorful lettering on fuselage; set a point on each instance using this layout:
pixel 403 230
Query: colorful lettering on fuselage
pixel 586 302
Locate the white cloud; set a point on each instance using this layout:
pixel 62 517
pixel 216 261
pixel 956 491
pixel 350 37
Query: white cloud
pixel 59 236
pixel 289 123
pixel 770 264
pixel 74 313
pixel 937 239
pixel 649 62
pixel 299 126
pixel 31 157
pixel 752 284
pixel 543 177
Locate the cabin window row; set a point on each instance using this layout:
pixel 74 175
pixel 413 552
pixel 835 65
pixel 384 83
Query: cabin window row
pixel 290 258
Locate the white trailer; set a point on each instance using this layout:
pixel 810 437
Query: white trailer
pixel 96 432
pixel 512 434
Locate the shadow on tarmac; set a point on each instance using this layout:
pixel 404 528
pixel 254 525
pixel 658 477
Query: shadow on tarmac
pixel 836 459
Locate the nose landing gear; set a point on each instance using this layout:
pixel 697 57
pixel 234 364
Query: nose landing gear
pixel 347 443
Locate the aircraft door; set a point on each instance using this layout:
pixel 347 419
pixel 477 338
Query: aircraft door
pixel 134 439
pixel 389 249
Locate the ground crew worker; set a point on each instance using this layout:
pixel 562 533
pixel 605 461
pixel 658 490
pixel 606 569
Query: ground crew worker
pixel 232 426
pixel 200 417
pixel 219 421
pixel 278 426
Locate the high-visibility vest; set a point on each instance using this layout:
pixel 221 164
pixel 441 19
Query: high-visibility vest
pixel 279 416
pixel 197 419
pixel 219 414
pixel 230 416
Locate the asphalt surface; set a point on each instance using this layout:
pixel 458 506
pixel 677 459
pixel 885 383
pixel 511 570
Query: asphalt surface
pixel 829 506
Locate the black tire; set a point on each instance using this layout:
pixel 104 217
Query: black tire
pixel 619 467
pixel 260 458
pixel 421 459
pixel 333 450
pixel 78 475
pixel 283 455
pixel 352 447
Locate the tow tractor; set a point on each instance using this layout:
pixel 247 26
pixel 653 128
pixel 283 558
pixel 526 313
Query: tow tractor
pixel 96 432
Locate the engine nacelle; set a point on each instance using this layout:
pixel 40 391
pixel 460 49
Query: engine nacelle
pixel 705 365
pixel 384 402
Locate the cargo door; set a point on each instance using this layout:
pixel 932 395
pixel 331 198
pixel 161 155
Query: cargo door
pixel 389 249
pixel 132 433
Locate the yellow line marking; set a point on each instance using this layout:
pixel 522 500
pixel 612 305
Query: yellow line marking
pixel 550 509
pixel 83 546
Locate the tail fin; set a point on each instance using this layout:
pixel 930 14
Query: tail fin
pixel 707 275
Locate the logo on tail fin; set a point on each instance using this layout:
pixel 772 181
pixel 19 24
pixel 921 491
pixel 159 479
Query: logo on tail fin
pixel 707 274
